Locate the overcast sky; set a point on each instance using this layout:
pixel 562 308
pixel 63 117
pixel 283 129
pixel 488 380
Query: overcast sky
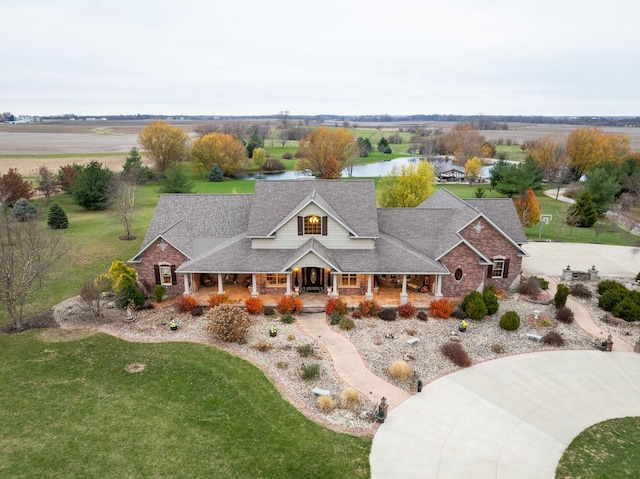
pixel 258 57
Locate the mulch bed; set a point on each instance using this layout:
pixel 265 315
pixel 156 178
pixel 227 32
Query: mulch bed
pixel 40 321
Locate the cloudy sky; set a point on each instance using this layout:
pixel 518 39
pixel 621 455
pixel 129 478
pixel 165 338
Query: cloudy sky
pixel 243 57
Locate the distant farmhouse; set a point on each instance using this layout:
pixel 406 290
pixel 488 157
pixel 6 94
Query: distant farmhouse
pixel 328 236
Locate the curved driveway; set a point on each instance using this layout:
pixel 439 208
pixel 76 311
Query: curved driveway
pixel 507 418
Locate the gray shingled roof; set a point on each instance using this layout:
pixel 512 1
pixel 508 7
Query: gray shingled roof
pixel 351 201
pixel 502 213
pixel 193 223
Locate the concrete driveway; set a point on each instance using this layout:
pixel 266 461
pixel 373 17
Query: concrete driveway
pixel 507 418
pixel 550 259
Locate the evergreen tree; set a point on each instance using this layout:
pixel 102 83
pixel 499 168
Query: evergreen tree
pixel 383 144
pixel 254 142
pixel 603 186
pixel 57 217
pixel 23 210
pixel 364 147
pixel 215 174
pixel 133 169
pixel 93 187
pixel 176 180
pixel 585 210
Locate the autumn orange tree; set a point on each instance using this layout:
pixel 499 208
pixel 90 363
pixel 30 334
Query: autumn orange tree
pixel 463 142
pixel 589 147
pixel 165 144
pixel 473 169
pixel 219 149
pixel 528 208
pixel 324 143
pixel 407 186
pixel 13 187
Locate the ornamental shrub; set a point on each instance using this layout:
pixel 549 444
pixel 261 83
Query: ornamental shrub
pixel 544 284
pixel 24 210
pixel 490 299
pixel 510 321
pixel 310 371
pixel 607 284
pixel 400 370
pixel 553 338
pixel 335 304
pixel 564 315
pixel 456 353
pixel 325 403
pixel 369 308
pixel 529 287
pixel 441 308
pixel 473 295
pixel 57 218
pixel 580 290
pixel 290 304
pixel 347 324
pixel 253 305
pixel 216 299
pixel 216 173
pixel 129 294
pixel 357 314
pixel 228 323
pixel 610 298
pixel 459 314
pixel 287 318
pixel 627 310
pixel 476 308
pixel 406 310
pixel 388 315
pixel 273 164
pixel 422 316
pixel 306 350
pixel 335 318
pixel 560 298
pixel 350 399
pixel 185 303
pixel 158 293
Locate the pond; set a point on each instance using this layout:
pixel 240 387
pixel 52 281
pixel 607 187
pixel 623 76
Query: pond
pixel 370 170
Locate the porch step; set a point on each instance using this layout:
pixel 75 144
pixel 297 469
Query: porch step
pixel 313 309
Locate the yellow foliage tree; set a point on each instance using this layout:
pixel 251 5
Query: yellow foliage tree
pixel 219 149
pixel 259 157
pixel 589 147
pixel 472 169
pixel 408 185
pixel 324 143
pixel 528 208
pixel 164 143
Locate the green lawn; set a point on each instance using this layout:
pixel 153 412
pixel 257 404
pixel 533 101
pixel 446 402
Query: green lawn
pixel 70 410
pixel 607 450
pixel 513 152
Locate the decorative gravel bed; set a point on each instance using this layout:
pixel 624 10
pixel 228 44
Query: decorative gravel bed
pixel 380 343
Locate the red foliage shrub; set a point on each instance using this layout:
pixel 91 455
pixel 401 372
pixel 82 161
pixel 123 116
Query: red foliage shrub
pixel 357 314
pixel 13 187
pixel 335 304
pixel 456 353
pixel 369 308
pixel 553 338
pixel 422 316
pixel 217 299
pixel 441 308
pixel 253 305
pixel 289 304
pixel 185 303
pixel 406 310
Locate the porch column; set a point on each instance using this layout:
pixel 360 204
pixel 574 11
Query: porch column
pixel 288 292
pixel 220 285
pixel 439 286
pixel 186 283
pixel 334 290
pixel 254 286
pixel 403 293
pixel 369 295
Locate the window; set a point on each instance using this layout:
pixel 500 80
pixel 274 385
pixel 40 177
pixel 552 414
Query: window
pixel 276 279
pixel 349 280
pixel 498 268
pixel 312 225
pixel 457 274
pixel 165 275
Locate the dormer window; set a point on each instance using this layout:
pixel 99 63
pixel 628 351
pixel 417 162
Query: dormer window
pixel 312 225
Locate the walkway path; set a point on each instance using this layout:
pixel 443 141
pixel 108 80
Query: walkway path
pixel 348 363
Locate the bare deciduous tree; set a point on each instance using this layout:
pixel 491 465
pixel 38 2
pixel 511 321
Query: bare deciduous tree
pixel 91 294
pixel 47 183
pixel 125 202
pixel 28 250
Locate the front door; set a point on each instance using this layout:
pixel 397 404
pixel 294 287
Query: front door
pixel 314 279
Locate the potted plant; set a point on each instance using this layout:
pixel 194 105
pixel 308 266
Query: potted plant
pixel 173 324
pixel 462 327
pixel 273 331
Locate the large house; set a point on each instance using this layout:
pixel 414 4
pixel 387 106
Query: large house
pixel 310 236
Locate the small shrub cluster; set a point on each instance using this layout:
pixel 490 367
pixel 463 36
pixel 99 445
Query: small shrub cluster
pixel 273 164
pixel 400 370
pixel 388 315
pixel 306 350
pixel 510 321
pixel 197 311
pixel 529 287
pixel 185 303
pixel 553 338
pixel 498 348
pixel 350 399
pixel 406 310
pixel 158 293
pixel 335 318
pixel 564 315
pixel 458 313
pixel 347 324
pixel 287 318
pixel 269 310
pixel 580 290
pixel 325 403
pixel 310 371
pixel 544 284
pixel 287 155
pixel 441 308
pixel 290 304
pixel 228 323
pixel 216 299
pixel 490 299
pixel 422 316
pixel 622 302
pixel 475 307
pixel 253 305
pixel 560 298
pixel 357 314
pixel 456 353
pixel 627 309
pixel 369 308
pixel 263 346
pixel 335 304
